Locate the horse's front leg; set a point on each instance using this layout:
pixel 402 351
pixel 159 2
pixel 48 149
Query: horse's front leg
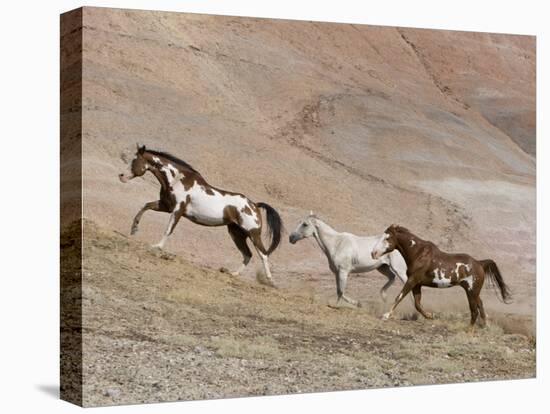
pixel 404 292
pixel 417 293
pixel 398 269
pixel 153 205
pixel 174 218
pixel 341 281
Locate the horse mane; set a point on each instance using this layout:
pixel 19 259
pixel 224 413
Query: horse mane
pixel 405 231
pixel 174 159
pixel 402 229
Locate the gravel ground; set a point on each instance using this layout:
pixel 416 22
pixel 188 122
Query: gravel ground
pixel 158 328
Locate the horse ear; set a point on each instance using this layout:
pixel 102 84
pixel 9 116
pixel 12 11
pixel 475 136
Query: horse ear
pixel 141 149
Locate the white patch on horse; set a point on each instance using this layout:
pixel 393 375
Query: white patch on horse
pixel 470 281
pixel 156 159
pixel 412 243
pixel 170 171
pixel 169 177
pixel 440 278
pixel 458 265
pixel 208 208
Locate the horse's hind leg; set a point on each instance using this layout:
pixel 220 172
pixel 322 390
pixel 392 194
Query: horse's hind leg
pixel 474 310
pixel 153 205
pixel 482 313
pixel 417 293
pixel 239 237
pixel 255 236
pixel 388 272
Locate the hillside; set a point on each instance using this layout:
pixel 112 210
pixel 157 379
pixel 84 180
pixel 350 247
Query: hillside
pixel 159 328
pixel 365 125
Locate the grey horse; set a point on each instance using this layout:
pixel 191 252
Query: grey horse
pixel 348 253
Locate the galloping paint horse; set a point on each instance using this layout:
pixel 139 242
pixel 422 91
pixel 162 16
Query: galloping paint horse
pixel 185 193
pixel 348 253
pixel 429 266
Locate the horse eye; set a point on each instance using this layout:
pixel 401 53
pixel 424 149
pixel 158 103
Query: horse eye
pixel 304 225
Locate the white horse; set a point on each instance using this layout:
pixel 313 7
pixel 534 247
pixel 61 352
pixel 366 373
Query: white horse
pixel 348 253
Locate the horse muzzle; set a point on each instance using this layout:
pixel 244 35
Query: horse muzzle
pixel 293 238
pixel 125 178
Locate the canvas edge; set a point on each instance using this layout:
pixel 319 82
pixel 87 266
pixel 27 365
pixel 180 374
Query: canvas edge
pixel 71 358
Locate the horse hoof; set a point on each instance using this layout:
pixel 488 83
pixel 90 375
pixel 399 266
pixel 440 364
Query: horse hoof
pixel 359 305
pixel 267 282
pixel 386 316
pixel 133 231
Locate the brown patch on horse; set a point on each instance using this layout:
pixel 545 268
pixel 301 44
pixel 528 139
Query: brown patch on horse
pixel 208 190
pixel 256 237
pixel 454 278
pixel 188 181
pixel 231 215
pixel 256 213
pixel 183 204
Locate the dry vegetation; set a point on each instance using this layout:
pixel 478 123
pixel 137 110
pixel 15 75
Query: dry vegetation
pixel 157 328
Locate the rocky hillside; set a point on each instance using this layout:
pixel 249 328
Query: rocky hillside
pixel 159 328
pixel 365 125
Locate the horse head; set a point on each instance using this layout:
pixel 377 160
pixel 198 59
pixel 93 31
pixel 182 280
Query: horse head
pixel 386 243
pixel 304 229
pixel 138 165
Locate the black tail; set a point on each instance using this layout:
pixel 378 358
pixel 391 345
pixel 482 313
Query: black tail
pixel 491 269
pixel 275 225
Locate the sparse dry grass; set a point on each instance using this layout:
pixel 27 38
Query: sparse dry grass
pixel 211 334
pixel 259 347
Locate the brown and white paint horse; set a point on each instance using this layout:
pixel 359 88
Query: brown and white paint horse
pixel 185 193
pixel 429 266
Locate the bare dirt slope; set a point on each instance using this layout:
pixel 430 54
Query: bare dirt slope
pixel 365 125
pixel 158 328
